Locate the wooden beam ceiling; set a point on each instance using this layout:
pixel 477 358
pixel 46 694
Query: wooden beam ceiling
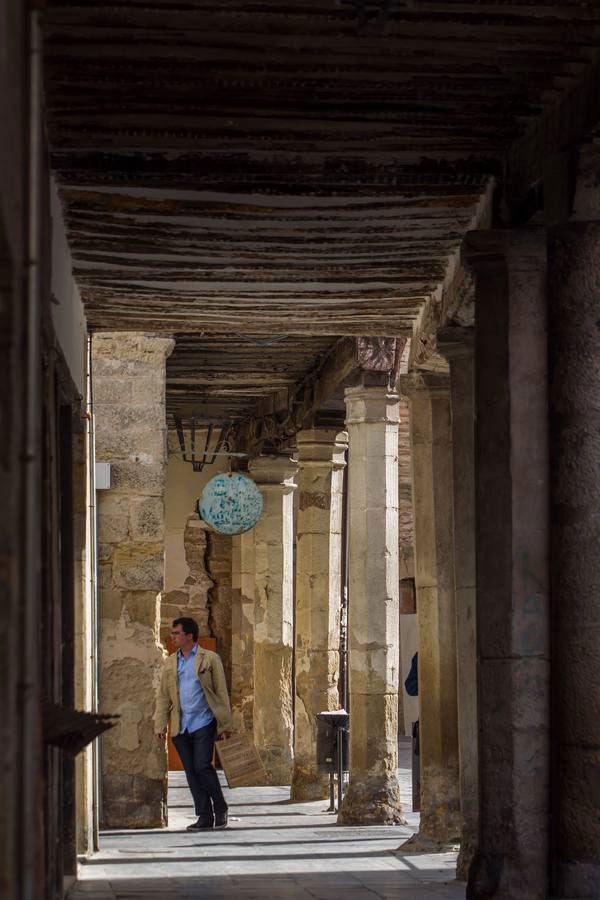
pixel 292 168
pixel 216 379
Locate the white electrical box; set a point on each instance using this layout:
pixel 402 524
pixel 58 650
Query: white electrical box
pixel 102 476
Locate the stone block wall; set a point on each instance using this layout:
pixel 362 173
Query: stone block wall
pixel 129 406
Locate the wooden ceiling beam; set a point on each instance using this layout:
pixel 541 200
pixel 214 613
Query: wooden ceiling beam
pixel 361 357
pixel 303 121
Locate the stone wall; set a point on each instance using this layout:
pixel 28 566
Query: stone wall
pixel 129 405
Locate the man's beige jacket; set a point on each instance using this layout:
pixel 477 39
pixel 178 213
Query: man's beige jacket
pixel 209 670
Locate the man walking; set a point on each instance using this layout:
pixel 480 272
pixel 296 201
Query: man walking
pixel 193 697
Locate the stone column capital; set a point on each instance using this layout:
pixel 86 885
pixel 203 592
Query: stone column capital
pixel 130 346
pixel 273 472
pixel 456 342
pixel 371 404
pixel 425 384
pixel 322 448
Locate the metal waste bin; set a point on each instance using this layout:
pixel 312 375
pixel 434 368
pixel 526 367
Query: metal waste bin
pixel 332 748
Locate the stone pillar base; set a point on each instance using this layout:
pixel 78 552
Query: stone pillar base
pixel 440 819
pixel 278 770
pixel 134 801
pixel 308 783
pixel 273 714
pixel 372 800
pixel 468 848
pixel 486 874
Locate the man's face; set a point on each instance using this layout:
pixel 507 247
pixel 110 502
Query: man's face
pixel 180 640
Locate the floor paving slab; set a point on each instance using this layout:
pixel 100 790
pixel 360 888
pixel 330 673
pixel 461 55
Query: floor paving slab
pixel 272 849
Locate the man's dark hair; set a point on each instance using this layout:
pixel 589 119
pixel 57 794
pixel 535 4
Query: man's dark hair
pixel 188 626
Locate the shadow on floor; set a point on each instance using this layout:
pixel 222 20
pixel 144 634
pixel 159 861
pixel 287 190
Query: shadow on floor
pixel 426 884
pixel 268 853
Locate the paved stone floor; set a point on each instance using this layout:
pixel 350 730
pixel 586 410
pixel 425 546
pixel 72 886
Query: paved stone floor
pixel 273 849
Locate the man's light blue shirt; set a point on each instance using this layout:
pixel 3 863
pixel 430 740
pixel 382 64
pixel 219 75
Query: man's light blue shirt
pixel 195 711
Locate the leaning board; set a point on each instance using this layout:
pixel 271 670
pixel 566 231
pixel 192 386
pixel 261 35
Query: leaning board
pixel 241 762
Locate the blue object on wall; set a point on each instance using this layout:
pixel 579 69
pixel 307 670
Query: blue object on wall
pixel 231 504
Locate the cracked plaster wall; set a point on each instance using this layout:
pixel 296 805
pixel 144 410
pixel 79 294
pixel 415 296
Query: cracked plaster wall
pixel 191 598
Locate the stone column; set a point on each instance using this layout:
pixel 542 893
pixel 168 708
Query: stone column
pixel 373 795
pixel 457 346
pixel 408 707
pixel 83 622
pixel 431 437
pixel 274 616
pixel 513 605
pixel 321 462
pixel 242 632
pixel 129 404
pixel 219 567
pixel 574 330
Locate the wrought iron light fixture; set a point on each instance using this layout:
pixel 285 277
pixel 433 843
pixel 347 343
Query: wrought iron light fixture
pixel 197 457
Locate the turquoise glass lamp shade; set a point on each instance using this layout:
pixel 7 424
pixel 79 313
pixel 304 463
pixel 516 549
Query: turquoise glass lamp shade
pixel 231 504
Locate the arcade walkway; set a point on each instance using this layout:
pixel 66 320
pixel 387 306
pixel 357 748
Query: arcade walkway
pixel 275 850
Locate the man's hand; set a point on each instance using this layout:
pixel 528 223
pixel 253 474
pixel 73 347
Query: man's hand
pixel 162 736
pixel 225 735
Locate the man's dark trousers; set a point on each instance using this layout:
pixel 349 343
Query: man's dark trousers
pixel 196 751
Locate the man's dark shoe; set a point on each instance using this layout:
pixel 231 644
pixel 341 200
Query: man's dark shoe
pixel 221 820
pixel 200 825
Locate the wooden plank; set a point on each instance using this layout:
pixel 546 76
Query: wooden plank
pixel 240 760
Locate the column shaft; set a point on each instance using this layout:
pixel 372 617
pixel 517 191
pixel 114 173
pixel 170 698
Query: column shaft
pixel 436 614
pixel 129 402
pixel 242 633
pixel 372 421
pixel 457 345
pixel 512 564
pixel 273 616
pixel 321 461
pixel 219 567
pixel 574 289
